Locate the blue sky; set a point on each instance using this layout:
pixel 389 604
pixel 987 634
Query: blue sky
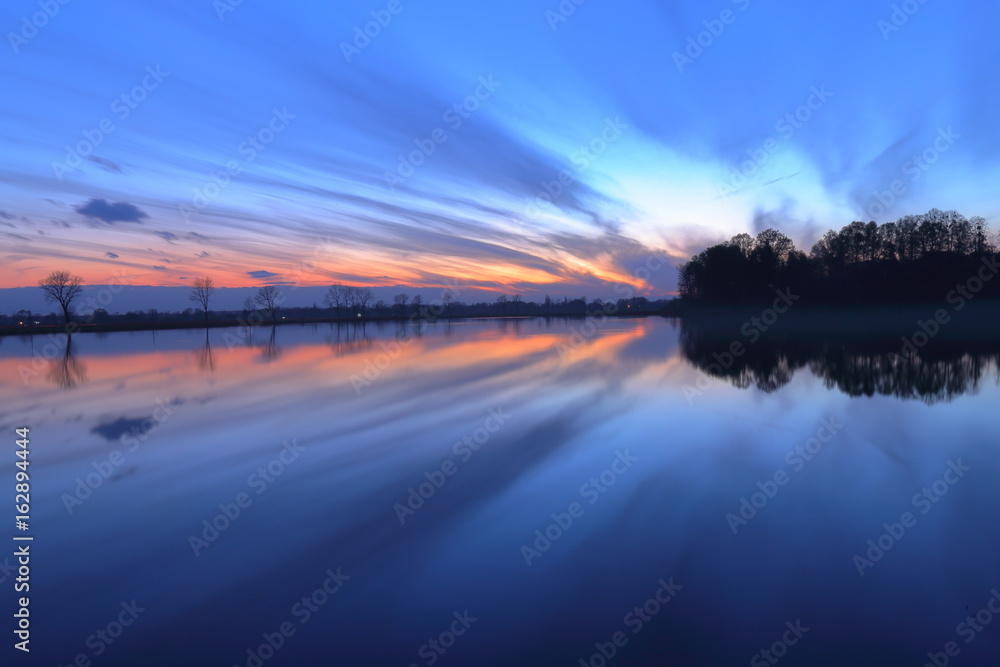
pixel 260 144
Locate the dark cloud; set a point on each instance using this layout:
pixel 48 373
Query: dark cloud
pixel 261 275
pixel 169 237
pixel 111 255
pixel 114 430
pixel 111 213
pixel 203 254
pixel 107 165
pixel 159 268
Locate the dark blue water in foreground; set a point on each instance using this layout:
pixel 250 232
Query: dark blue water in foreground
pixel 323 439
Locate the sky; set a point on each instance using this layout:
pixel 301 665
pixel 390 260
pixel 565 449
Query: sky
pixel 531 146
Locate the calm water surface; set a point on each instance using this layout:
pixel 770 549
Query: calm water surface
pixel 408 469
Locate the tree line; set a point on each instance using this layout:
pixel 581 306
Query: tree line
pixel 914 259
pixel 340 301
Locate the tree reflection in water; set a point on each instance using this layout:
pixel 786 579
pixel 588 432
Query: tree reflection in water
pixel 856 365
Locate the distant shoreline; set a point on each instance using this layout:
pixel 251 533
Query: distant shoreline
pixel 973 319
pixel 116 327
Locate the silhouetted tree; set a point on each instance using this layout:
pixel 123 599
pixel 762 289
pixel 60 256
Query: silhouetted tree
pixel 63 288
pixel 267 298
pixel 335 297
pixel 202 290
pixel 364 297
pixel 400 301
pixel 917 257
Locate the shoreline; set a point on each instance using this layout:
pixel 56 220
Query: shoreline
pixel 950 320
pixel 117 327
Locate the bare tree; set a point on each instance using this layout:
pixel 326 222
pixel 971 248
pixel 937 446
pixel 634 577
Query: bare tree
pixel 448 300
pixel 400 301
pixel 350 296
pixel 335 297
pixel 201 292
pixel 61 287
pixel 517 304
pixel 502 300
pixel 365 297
pixel 268 297
pixel 418 302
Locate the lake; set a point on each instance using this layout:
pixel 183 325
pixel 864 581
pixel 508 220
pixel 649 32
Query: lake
pixel 505 492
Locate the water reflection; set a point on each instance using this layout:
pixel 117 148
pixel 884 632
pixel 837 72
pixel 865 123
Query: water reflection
pixel 351 338
pixel 205 360
pixel 378 410
pixel 270 351
pixel 66 371
pixel 855 365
